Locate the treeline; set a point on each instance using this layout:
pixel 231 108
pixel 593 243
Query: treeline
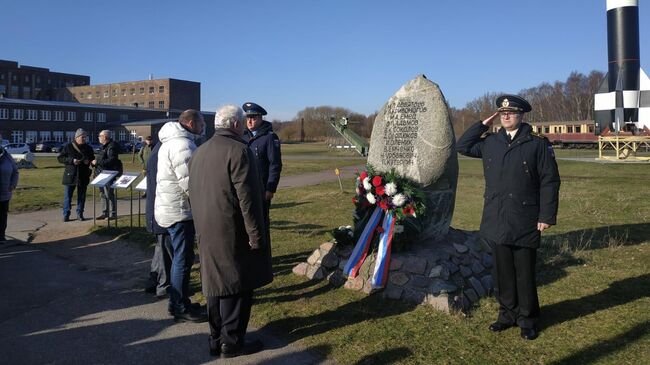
pixel 571 100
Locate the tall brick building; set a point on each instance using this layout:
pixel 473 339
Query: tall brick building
pixel 29 82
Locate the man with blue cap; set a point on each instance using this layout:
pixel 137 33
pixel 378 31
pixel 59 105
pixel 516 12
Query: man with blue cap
pixel 522 185
pixel 266 147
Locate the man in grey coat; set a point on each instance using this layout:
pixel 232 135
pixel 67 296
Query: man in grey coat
pixel 226 194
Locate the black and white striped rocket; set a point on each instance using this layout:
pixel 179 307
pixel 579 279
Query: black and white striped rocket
pixel 623 97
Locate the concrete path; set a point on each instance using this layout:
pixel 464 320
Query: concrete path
pixel 74 298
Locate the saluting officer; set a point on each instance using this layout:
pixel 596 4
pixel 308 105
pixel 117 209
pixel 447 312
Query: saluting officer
pixel 266 147
pixel 521 199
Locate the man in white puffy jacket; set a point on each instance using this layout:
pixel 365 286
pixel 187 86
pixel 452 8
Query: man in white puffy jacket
pixel 172 207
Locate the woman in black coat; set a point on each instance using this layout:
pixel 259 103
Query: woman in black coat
pixel 76 156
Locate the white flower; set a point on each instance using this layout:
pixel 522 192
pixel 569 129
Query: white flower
pixel 366 184
pixel 358 191
pixel 391 189
pixel 348 227
pixel 371 198
pixel 350 233
pixel 398 228
pixel 399 200
pixel 341 228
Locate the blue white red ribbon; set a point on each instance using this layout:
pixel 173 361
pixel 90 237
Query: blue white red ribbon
pixel 358 256
pixel 382 264
pixel 360 251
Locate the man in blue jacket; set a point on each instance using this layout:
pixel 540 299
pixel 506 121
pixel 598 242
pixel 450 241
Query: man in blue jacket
pixel 266 147
pixel 522 184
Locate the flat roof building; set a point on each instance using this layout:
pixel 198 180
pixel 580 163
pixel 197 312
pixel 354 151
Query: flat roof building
pixel 29 82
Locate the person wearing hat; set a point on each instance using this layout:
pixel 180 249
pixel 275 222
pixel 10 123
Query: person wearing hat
pixel 522 184
pixel 266 147
pixel 76 156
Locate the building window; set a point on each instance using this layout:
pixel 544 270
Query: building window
pixel 71 117
pixel 161 89
pixel 591 128
pixel 4 113
pixel 27 92
pixel 31 136
pixel 58 116
pixel 124 117
pixel 46 115
pixel 58 136
pixel 578 129
pixel 17 136
pixel 547 129
pixel 88 117
pixel 151 104
pixel 14 92
pixel 101 117
pixel 569 129
pixel 18 114
pixel 3 89
pixel 26 78
pixel 152 89
pixel 161 104
pixel 45 135
pixel 141 91
pixel 81 95
pixel 38 79
pixel 122 135
pixel 97 94
pixel 114 92
pixel 69 136
pixel 2 76
pixel 105 93
pixel 123 92
pixel 90 95
pixel 32 114
pixel 132 91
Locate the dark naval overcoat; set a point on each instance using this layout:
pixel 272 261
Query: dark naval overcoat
pixel 227 206
pixel 521 183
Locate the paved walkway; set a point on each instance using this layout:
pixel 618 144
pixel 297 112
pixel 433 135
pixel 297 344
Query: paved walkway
pixel 71 297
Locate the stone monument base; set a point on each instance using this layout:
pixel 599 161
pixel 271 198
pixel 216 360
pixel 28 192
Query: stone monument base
pixel 449 274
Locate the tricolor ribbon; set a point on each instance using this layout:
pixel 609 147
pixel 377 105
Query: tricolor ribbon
pixel 382 264
pixel 360 251
pixel 358 256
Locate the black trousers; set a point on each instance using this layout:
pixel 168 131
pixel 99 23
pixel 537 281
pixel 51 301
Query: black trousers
pixel 228 318
pixel 161 264
pixel 515 287
pixel 4 213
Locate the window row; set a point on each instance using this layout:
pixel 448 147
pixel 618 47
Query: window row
pixel 123 92
pixel 46 115
pixel 58 136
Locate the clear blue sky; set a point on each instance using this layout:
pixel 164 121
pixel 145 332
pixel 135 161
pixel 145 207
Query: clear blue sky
pixel 287 55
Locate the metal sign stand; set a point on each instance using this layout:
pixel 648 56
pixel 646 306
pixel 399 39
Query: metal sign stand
pixel 125 181
pixel 102 181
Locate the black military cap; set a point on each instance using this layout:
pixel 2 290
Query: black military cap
pixel 253 109
pixel 513 103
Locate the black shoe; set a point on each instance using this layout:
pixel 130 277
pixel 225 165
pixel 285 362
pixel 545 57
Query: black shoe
pixel 80 217
pixel 191 315
pixel 66 218
pixel 529 333
pixel 151 289
pixel 498 327
pixel 196 307
pixel 101 217
pixel 230 350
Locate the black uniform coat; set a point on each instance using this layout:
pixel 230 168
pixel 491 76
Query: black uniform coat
pixel 77 175
pixel 227 206
pixel 109 159
pixel 266 148
pixel 152 170
pixel 521 183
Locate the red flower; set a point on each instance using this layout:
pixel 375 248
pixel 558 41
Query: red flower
pixel 380 229
pixel 354 201
pixel 363 175
pixel 380 190
pixel 376 181
pixel 383 205
pixel 408 210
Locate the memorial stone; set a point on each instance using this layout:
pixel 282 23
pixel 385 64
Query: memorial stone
pixel 413 134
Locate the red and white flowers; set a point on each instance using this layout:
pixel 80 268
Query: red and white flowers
pixel 390 192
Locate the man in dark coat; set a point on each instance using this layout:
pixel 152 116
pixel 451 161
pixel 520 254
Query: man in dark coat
pixel 76 156
pixel 266 147
pixel 108 159
pixel 161 262
pixel 521 199
pixel 227 206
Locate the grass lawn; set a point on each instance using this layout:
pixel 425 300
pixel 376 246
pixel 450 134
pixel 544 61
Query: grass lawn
pixel 593 274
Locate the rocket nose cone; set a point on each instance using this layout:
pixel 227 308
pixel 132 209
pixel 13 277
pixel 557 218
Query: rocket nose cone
pixel 613 4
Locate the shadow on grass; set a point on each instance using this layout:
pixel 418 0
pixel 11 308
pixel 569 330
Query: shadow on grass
pixel 284 264
pixel 619 293
pixel 287 205
pixel 602 349
pixel 372 307
pixel 559 252
pixel 390 356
